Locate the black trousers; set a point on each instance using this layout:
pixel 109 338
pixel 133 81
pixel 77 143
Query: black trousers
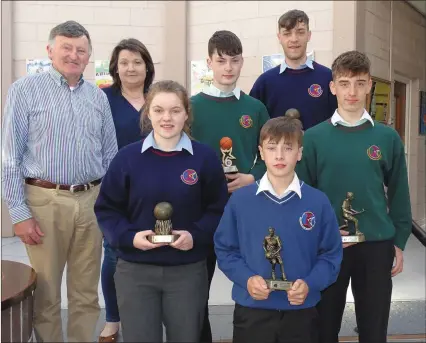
pixel 253 325
pixel 368 265
pixel 206 331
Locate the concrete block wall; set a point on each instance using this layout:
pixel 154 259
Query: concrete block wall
pixel 107 22
pixel 256 23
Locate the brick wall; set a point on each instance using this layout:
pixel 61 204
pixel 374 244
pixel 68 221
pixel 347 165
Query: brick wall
pixel 107 22
pixel 255 23
pixel 377 36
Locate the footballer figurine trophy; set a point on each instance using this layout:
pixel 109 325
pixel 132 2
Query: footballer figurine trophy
pixel 348 213
pixel 272 246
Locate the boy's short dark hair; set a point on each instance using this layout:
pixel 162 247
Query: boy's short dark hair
pixel 290 19
pixel 282 127
pixel 351 63
pixel 225 42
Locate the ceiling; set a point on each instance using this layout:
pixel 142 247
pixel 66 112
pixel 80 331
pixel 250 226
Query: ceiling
pixel 420 5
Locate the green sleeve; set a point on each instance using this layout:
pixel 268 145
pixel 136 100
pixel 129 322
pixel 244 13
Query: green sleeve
pixel 259 167
pixel 398 194
pixel 306 168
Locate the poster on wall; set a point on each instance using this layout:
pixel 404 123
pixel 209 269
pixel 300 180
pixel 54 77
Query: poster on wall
pixel 201 76
pixel 271 61
pixel 378 101
pixel 35 66
pixel 102 77
pixel 422 124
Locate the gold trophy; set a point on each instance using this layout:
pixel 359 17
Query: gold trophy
pixel 228 160
pixel 349 214
pixel 163 226
pixel 272 246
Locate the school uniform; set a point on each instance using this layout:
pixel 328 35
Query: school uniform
pixel 162 285
pixel 305 89
pixel 234 114
pixel 361 158
pixel 311 250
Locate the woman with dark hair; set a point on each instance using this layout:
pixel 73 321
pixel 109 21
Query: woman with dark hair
pixel 162 283
pixel 132 71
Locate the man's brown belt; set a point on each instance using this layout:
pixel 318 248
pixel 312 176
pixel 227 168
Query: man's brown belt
pixel 71 188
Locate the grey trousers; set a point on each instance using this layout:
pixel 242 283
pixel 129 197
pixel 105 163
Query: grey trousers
pixel 149 296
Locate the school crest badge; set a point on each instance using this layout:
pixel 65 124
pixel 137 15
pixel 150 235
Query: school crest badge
pixel 315 90
pixel 307 221
pixel 374 153
pixel 246 121
pixel 189 176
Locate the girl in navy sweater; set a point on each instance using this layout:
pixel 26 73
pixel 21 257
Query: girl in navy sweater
pixel 159 283
pixel 132 71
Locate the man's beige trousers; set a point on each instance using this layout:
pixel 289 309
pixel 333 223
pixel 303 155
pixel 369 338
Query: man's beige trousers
pixel 71 237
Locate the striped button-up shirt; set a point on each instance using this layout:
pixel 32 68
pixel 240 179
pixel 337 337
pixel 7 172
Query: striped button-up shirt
pixel 55 133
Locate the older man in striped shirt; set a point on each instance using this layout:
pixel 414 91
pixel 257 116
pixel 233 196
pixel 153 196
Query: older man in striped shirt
pixel 58 141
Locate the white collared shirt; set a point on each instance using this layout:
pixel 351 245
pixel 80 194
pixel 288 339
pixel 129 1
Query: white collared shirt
pixel 214 91
pixel 308 64
pixel 337 119
pixel 266 186
pixel 184 143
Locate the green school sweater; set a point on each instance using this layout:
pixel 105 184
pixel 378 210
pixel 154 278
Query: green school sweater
pixel 240 119
pixel 362 160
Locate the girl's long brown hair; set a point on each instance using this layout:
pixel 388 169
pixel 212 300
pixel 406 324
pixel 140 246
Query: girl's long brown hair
pixel 166 86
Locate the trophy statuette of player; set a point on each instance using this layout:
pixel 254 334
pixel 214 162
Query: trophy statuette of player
pixel 163 226
pixel 348 213
pixel 272 246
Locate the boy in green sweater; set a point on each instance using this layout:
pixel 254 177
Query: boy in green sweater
pixel 352 158
pixel 223 110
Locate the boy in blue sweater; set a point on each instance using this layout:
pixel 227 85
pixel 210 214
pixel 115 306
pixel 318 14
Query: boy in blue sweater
pixel 298 82
pixel 311 251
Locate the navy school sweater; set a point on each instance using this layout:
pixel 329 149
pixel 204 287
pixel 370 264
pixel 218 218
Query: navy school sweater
pixel 135 182
pixel 306 89
pixel 311 243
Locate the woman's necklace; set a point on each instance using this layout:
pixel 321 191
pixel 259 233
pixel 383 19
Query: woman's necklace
pixel 133 98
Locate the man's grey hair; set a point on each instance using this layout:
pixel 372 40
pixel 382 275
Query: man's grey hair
pixel 70 29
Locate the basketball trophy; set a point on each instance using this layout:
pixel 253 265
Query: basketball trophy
pixel 348 213
pixel 163 226
pixel 272 246
pixel 292 113
pixel 228 160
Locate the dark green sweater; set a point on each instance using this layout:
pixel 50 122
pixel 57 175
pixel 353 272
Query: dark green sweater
pixel 362 160
pixel 240 119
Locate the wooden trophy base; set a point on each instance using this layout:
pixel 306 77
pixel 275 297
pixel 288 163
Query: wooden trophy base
pixel 279 285
pixel 157 239
pixel 353 238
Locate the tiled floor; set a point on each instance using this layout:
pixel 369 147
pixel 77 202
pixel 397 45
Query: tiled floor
pixel 407 314
pixel 409 285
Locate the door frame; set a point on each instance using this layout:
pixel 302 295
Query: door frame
pixel 408 100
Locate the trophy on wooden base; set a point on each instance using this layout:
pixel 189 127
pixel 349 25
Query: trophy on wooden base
pixel 163 226
pixel 348 213
pixel 228 160
pixel 272 246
